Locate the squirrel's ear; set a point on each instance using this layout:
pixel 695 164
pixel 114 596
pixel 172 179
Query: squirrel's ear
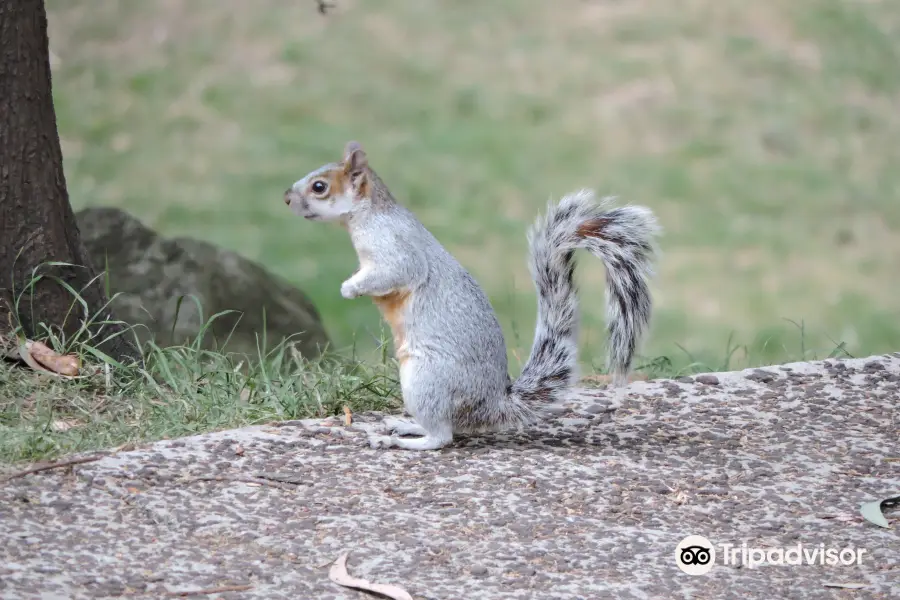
pixel 355 161
pixel 354 157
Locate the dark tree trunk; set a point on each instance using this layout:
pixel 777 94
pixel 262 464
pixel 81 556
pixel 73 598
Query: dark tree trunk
pixel 37 224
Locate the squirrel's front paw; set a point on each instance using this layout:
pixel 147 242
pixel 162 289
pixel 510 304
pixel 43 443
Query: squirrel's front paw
pixel 349 290
pixel 380 441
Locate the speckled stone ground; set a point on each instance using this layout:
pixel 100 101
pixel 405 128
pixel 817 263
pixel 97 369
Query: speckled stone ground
pixel 590 505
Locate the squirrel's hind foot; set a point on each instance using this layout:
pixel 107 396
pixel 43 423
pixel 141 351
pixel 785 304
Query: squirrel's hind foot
pixel 425 442
pixel 380 441
pixel 403 427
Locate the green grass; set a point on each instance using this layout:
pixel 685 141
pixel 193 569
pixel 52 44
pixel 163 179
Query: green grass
pixel 183 391
pixel 763 134
pixel 177 391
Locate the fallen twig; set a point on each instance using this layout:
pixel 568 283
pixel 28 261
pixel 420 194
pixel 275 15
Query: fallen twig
pixel 254 480
pixel 218 590
pixel 282 479
pixel 55 465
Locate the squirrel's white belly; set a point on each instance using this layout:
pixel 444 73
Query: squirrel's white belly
pixel 407 371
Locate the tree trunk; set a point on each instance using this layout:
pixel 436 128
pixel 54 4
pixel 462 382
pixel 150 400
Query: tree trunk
pixel 37 224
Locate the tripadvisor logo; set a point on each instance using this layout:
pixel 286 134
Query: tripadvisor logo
pixel 696 555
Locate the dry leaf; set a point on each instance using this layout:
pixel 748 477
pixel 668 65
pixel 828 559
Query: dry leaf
pixel 338 574
pixel 64 364
pixel 348 416
pixel 40 357
pixel 25 355
pixel 872 511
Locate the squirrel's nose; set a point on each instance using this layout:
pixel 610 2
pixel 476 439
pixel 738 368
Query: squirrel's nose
pixel 287 196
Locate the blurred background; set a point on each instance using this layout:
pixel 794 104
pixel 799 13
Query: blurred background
pixel 765 135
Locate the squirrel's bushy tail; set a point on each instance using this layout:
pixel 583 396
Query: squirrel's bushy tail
pixel 623 238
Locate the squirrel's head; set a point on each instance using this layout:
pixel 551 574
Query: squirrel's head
pixel 332 191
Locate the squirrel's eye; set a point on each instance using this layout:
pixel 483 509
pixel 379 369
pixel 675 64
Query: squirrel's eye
pixel 319 187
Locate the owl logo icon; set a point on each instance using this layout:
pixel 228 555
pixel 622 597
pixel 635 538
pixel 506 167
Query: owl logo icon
pixel 695 555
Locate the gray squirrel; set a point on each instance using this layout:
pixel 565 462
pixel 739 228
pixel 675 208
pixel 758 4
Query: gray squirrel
pixel 447 340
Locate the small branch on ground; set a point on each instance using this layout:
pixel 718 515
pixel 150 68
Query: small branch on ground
pixel 254 480
pixel 218 590
pixel 55 465
pixel 281 479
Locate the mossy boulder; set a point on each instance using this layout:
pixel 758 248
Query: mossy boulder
pixel 151 273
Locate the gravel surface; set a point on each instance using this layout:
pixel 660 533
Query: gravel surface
pixel 591 504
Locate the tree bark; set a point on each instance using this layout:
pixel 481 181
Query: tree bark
pixel 37 223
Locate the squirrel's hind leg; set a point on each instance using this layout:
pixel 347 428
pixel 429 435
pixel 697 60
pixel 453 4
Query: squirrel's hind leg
pixel 433 434
pixel 426 396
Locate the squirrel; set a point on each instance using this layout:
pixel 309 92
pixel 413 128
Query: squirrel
pixel 447 339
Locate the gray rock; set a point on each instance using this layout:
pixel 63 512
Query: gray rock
pixel 150 273
pixel 761 376
pixel 707 379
